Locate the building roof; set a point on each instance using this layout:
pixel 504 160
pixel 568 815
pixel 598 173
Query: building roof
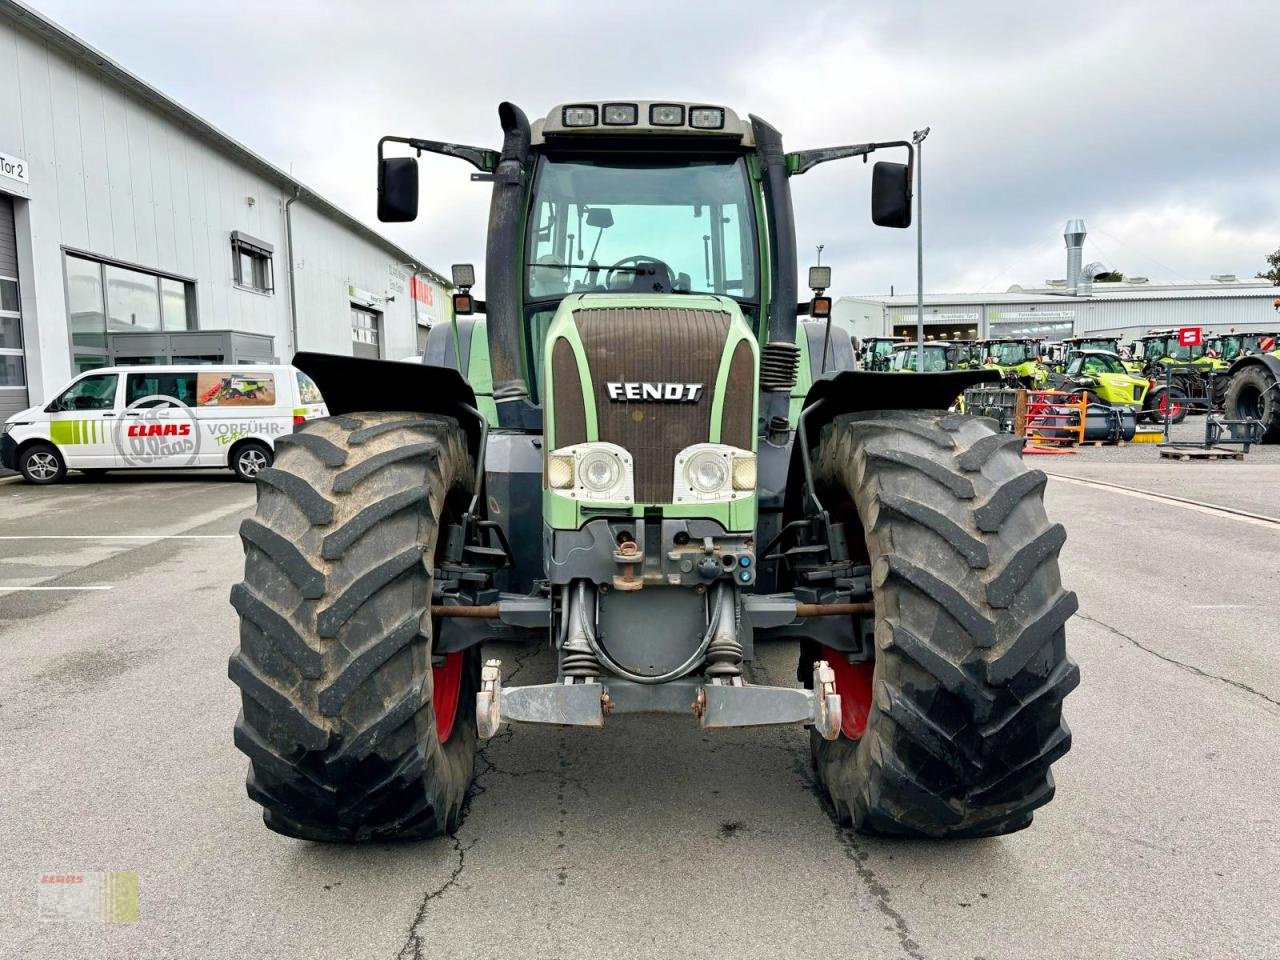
pixel 1210 290
pixel 72 46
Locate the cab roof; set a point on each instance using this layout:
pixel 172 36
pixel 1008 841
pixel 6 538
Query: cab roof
pixel 585 118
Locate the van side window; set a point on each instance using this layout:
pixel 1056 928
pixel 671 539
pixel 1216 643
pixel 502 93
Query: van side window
pixel 308 392
pixel 148 389
pixel 92 393
pixel 221 388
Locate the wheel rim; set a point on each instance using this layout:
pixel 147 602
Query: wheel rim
pixel 1250 403
pixel 42 466
pixel 1173 408
pixel 854 684
pixel 252 461
pixel 446 686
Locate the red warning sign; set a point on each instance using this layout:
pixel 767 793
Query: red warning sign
pixel 1267 344
pixel 1190 337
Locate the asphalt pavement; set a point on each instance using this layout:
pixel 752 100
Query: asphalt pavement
pixel 649 838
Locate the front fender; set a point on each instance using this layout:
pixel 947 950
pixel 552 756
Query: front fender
pixel 862 391
pixel 1265 360
pixel 355 384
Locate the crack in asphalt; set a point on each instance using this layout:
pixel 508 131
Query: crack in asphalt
pixel 412 947
pixel 859 857
pixel 1190 668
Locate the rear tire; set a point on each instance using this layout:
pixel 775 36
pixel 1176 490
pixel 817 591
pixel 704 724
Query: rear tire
pixel 335 666
pixel 970 669
pixel 1252 395
pixel 249 459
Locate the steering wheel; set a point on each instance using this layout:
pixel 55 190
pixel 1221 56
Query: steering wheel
pixel 637 261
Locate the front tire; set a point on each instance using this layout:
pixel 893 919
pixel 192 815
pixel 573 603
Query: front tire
pixel 1161 398
pixel 42 464
pixel 963 705
pixel 352 730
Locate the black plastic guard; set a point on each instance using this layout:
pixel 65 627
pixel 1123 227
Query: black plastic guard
pixel 353 384
pixel 1265 360
pixel 857 391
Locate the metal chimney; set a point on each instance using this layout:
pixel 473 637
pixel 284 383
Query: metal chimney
pixel 1074 234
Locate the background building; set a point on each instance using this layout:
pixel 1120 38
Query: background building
pixel 133 231
pixel 1073 306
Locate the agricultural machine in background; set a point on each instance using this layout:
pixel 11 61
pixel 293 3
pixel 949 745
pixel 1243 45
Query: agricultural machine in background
pixel 1017 359
pixel 876 352
pixel 630 452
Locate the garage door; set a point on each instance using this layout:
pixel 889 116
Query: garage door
pixel 13 371
pixel 366 333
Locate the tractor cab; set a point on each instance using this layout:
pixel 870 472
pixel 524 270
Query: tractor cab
pixel 876 351
pixel 1017 359
pixel 906 358
pixel 1100 376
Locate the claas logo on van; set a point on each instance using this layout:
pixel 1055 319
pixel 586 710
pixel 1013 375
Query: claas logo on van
pixel 159 430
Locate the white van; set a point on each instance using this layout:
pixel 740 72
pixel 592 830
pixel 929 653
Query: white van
pixel 161 417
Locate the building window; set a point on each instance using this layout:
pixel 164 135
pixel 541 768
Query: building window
pixel 251 263
pixel 365 339
pixel 105 298
pixel 12 366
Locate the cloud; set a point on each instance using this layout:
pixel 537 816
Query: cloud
pixel 1153 121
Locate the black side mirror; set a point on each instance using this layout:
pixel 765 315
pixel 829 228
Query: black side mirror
pixel 397 189
pixel 891 194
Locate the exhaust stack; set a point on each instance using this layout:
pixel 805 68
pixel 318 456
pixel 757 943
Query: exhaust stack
pixel 1074 235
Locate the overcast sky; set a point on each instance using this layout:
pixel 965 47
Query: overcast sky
pixel 1156 122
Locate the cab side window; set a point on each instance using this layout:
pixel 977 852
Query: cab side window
pixel 92 393
pixel 151 389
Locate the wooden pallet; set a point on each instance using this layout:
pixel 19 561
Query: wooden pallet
pixel 1103 443
pixel 1170 452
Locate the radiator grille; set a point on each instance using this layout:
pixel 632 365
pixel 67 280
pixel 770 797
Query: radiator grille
pixel 662 345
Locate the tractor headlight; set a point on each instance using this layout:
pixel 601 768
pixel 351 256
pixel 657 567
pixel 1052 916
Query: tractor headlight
pixel 714 471
pixel 597 472
pixel 601 471
pixel 707 472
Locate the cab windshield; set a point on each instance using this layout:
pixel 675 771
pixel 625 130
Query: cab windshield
pixel 935 359
pixel 1093 364
pixel 632 226
pixel 1012 354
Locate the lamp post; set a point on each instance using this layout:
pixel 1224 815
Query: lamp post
pixel 918 139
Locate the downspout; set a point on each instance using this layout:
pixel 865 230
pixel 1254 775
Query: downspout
pixel 288 242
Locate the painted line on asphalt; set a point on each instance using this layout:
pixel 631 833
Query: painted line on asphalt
pixel 47 589
pixel 123 536
pixel 1212 509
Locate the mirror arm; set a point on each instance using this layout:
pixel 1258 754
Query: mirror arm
pixel 479 157
pixel 804 160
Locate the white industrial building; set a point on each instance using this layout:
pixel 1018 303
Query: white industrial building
pixel 133 231
pixel 1072 306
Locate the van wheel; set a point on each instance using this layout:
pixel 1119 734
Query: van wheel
pixel 251 458
pixel 42 464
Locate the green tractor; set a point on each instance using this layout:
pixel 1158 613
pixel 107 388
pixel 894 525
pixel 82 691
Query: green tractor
pixel 876 352
pixel 1017 359
pixel 1252 390
pixel 939 356
pixel 629 453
